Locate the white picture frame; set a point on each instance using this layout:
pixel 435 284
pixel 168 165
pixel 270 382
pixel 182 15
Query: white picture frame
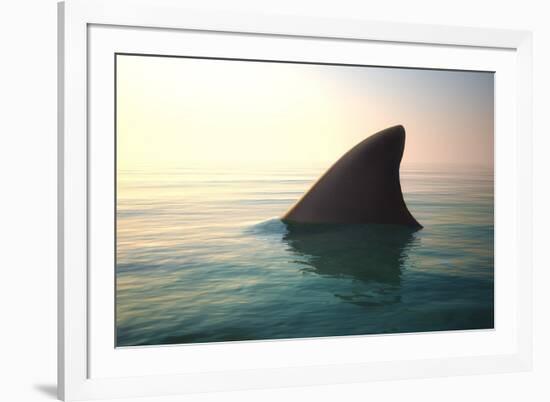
pixel 90 368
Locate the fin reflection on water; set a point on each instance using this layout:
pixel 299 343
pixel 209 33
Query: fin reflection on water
pixel 363 252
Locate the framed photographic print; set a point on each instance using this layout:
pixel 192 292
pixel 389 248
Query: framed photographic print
pixel 256 201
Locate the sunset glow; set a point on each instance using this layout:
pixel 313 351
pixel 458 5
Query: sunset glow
pixel 184 112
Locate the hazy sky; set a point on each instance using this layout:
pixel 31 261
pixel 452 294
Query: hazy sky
pixel 180 112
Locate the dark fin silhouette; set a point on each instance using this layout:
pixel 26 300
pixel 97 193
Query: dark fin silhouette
pixel 361 187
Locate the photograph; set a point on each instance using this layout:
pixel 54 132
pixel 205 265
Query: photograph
pixel 261 200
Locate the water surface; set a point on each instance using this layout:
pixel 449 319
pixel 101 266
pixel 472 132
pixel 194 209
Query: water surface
pixel 202 257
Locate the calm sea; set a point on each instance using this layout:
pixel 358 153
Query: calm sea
pixel 202 257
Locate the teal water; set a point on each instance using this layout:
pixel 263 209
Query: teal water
pixel 202 257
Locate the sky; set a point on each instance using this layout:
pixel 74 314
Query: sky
pixel 181 112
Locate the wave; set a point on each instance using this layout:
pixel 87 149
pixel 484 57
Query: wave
pixel 273 226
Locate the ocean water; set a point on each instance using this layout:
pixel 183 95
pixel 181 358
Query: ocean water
pixel 203 257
